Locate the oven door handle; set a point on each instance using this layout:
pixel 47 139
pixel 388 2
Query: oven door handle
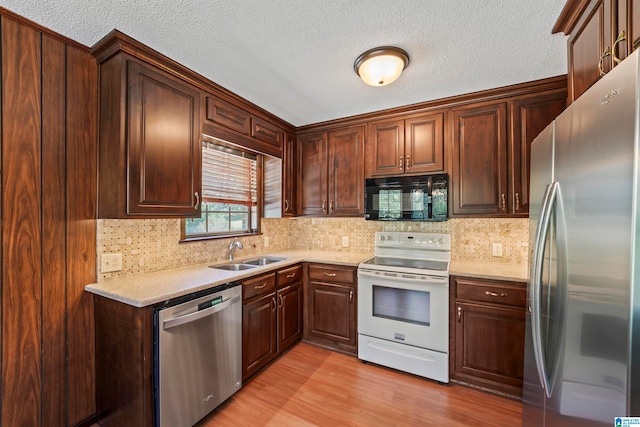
pixel 402 277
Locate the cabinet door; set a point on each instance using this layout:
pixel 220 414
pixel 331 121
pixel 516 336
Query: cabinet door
pixel 289 175
pixel 385 148
pixel 489 345
pixel 332 315
pixel 312 174
pixel 259 329
pixel 586 46
pixel 529 117
pixel 479 181
pixel 346 171
pixel 629 22
pixel 289 315
pixel 424 144
pixel 164 144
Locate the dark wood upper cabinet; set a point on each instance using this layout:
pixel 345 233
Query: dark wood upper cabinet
pixel 529 116
pixel 479 181
pixel 601 34
pixel 149 158
pixel 228 115
pixel 411 146
pixel 331 172
pixel 289 175
pixel 265 131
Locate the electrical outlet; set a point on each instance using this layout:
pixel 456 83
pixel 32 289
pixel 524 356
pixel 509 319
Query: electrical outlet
pixel 345 241
pixel 497 249
pixel 266 241
pixel 110 262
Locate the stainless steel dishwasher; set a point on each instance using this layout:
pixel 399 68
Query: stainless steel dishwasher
pixel 198 356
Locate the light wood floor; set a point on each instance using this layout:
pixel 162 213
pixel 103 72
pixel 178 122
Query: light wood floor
pixel 309 386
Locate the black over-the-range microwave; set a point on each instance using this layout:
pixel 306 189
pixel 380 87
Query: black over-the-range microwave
pixel 406 198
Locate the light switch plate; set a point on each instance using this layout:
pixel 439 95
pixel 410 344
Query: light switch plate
pixel 110 262
pixel 266 241
pixel 345 242
pixel 497 249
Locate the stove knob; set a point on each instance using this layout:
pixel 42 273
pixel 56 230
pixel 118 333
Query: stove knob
pixel 430 241
pixel 382 238
pixel 441 241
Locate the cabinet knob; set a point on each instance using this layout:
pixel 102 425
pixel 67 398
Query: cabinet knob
pixel 517 202
pixel 401 159
pixel 408 164
pixel 197 205
pixel 607 52
pixel 621 37
pixel 504 202
pixel 350 296
pixel 459 314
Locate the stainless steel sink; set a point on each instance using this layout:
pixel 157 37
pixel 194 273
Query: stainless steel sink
pixel 233 267
pixel 263 260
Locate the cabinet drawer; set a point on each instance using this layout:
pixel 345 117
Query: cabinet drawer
pixel 228 115
pixel 265 131
pixel 329 273
pixel 258 286
pixel 290 275
pixel 499 293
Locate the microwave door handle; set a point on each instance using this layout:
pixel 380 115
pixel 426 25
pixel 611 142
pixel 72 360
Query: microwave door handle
pixel 536 279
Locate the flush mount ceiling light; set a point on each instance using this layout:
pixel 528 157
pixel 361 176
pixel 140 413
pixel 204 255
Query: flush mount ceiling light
pixel 381 65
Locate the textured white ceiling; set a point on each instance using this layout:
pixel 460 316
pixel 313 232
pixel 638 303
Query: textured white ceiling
pixel 294 58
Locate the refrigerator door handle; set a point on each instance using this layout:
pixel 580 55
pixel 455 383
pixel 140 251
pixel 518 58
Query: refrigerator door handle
pixel 542 229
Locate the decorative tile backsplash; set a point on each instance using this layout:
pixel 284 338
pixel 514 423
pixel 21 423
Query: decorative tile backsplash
pixel 149 245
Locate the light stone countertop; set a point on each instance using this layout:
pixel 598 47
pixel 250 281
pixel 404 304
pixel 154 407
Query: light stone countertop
pixel 490 270
pixel 152 288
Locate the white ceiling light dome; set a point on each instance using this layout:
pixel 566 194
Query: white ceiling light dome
pixel 381 65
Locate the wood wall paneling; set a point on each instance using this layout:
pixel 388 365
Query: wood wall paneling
pixel 81 176
pixel 21 247
pixel 54 351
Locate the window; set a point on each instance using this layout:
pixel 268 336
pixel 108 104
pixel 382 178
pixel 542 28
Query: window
pixel 229 193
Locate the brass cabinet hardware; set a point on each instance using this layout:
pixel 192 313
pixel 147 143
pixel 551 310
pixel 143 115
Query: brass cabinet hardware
pixel 291 276
pixel 331 205
pixel 401 158
pixel 504 202
pixel 622 36
pixel 273 303
pixel 286 205
pixel 607 52
pixel 324 205
pixel 494 294
pixel 408 164
pixel 260 286
pixel 350 296
pixel 197 205
pixel 281 301
pixel 517 202
pixel 330 274
pixel 459 314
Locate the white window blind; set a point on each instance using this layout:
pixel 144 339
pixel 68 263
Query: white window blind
pixel 228 176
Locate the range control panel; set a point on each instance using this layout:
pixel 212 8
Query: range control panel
pixel 408 240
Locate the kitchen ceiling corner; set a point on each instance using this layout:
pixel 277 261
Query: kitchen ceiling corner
pixel 295 58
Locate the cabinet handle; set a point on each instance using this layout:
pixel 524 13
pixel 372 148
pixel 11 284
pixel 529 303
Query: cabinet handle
pixel 281 300
pixel 197 205
pixel 260 286
pixel 401 158
pixel 324 206
pixel 350 296
pixel 494 294
pixel 273 303
pixel 459 314
pixel 517 202
pixel 291 276
pixel 286 205
pixel 504 202
pixel 408 164
pixel 607 52
pixel 330 274
pixel 331 205
pixel 622 36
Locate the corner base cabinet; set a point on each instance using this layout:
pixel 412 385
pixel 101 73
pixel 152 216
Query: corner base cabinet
pixel 331 307
pixel 487 333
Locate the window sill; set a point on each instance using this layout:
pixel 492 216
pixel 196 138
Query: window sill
pixel 218 236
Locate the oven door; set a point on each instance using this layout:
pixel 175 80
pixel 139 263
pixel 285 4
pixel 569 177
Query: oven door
pixel 404 308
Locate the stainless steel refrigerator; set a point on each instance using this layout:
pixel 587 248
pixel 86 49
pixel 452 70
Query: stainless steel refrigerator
pixel 582 351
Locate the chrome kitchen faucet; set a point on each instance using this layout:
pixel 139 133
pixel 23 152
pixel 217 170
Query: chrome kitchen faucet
pixel 232 248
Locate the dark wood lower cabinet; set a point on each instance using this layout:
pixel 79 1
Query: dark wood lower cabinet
pixel 289 315
pixel 331 308
pixel 488 324
pixel 259 343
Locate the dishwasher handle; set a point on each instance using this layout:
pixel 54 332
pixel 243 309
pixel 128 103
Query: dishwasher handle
pixel 192 317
